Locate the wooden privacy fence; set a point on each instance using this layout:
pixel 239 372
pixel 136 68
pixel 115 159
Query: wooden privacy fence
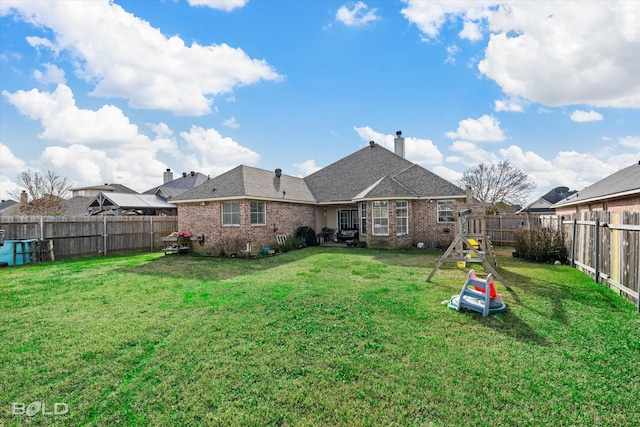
pixel 83 235
pixel 501 229
pixel 606 246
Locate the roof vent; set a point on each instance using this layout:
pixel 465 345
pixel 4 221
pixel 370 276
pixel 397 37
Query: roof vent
pixel 184 174
pixel 371 144
pixel 193 173
pixel 278 173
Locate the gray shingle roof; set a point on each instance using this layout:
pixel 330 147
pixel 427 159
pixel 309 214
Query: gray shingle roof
pixel 427 184
pixel 249 182
pixel 625 181
pixel 350 176
pixel 179 185
pixel 372 172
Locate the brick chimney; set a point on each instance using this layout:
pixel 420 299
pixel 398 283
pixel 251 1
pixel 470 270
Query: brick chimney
pixel 399 144
pixel 168 176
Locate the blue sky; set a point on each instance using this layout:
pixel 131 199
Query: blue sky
pixel 118 91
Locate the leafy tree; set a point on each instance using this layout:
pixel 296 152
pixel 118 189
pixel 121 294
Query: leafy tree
pixel 45 192
pixel 498 183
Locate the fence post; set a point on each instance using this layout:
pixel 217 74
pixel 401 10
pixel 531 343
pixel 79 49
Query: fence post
pixel 104 235
pixel 41 228
pixel 151 232
pixel 596 240
pixel 573 242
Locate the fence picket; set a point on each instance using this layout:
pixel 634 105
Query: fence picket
pixel 83 235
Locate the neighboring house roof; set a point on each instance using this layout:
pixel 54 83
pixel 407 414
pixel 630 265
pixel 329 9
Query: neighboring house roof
pixel 114 201
pixel 179 185
pixel 625 182
pixel 76 206
pixel 370 173
pixel 249 182
pixel 545 203
pixel 5 204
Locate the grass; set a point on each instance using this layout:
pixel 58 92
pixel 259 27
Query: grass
pixel 318 337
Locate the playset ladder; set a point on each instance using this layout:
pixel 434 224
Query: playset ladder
pixel 456 252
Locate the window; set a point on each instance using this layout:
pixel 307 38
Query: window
pixel 363 218
pixel 380 218
pixel 402 218
pixel 258 213
pixel 230 213
pixel 445 210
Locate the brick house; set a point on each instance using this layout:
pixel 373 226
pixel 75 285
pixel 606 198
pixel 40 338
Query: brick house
pixel 619 192
pixel 388 200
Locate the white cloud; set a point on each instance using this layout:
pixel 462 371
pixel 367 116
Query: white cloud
pixel 225 5
pixel 421 151
pixel 357 15
pixel 51 74
pixel 231 123
pixel 630 141
pixel 513 104
pixel 448 174
pixel 452 51
pixel 103 146
pixel 64 122
pixel 307 168
pixel 215 153
pixel 430 16
pixel 135 167
pixel 484 129
pixel 586 116
pixel 9 163
pixel 161 129
pixel 11 166
pixel 126 57
pixel 549 52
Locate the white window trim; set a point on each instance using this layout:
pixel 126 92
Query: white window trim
pixel 405 217
pixel 438 210
pixel 222 214
pixel 374 219
pixel 264 214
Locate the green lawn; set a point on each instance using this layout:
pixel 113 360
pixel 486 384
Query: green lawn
pixel 315 337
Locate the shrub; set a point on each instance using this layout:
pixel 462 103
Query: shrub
pixel 541 245
pixel 291 243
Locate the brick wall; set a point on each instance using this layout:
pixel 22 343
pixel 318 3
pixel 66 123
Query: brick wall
pixel 207 219
pixel 628 204
pixel 423 227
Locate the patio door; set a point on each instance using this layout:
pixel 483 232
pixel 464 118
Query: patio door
pixel 347 218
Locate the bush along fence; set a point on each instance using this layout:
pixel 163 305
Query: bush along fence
pixel 84 236
pixel 606 246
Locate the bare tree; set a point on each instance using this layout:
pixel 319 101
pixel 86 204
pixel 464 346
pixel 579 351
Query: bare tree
pixel 498 183
pixel 45 192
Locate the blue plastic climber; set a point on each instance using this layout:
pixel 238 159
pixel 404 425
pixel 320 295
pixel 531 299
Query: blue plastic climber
pixel 478 295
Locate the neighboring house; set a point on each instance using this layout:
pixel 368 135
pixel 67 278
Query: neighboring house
pixel 6 204
pixel 544 205
pixel 131 204
pixel 174 187
pixel 93 191
pixel 151 202
pixel 619 192
pixel 389 200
